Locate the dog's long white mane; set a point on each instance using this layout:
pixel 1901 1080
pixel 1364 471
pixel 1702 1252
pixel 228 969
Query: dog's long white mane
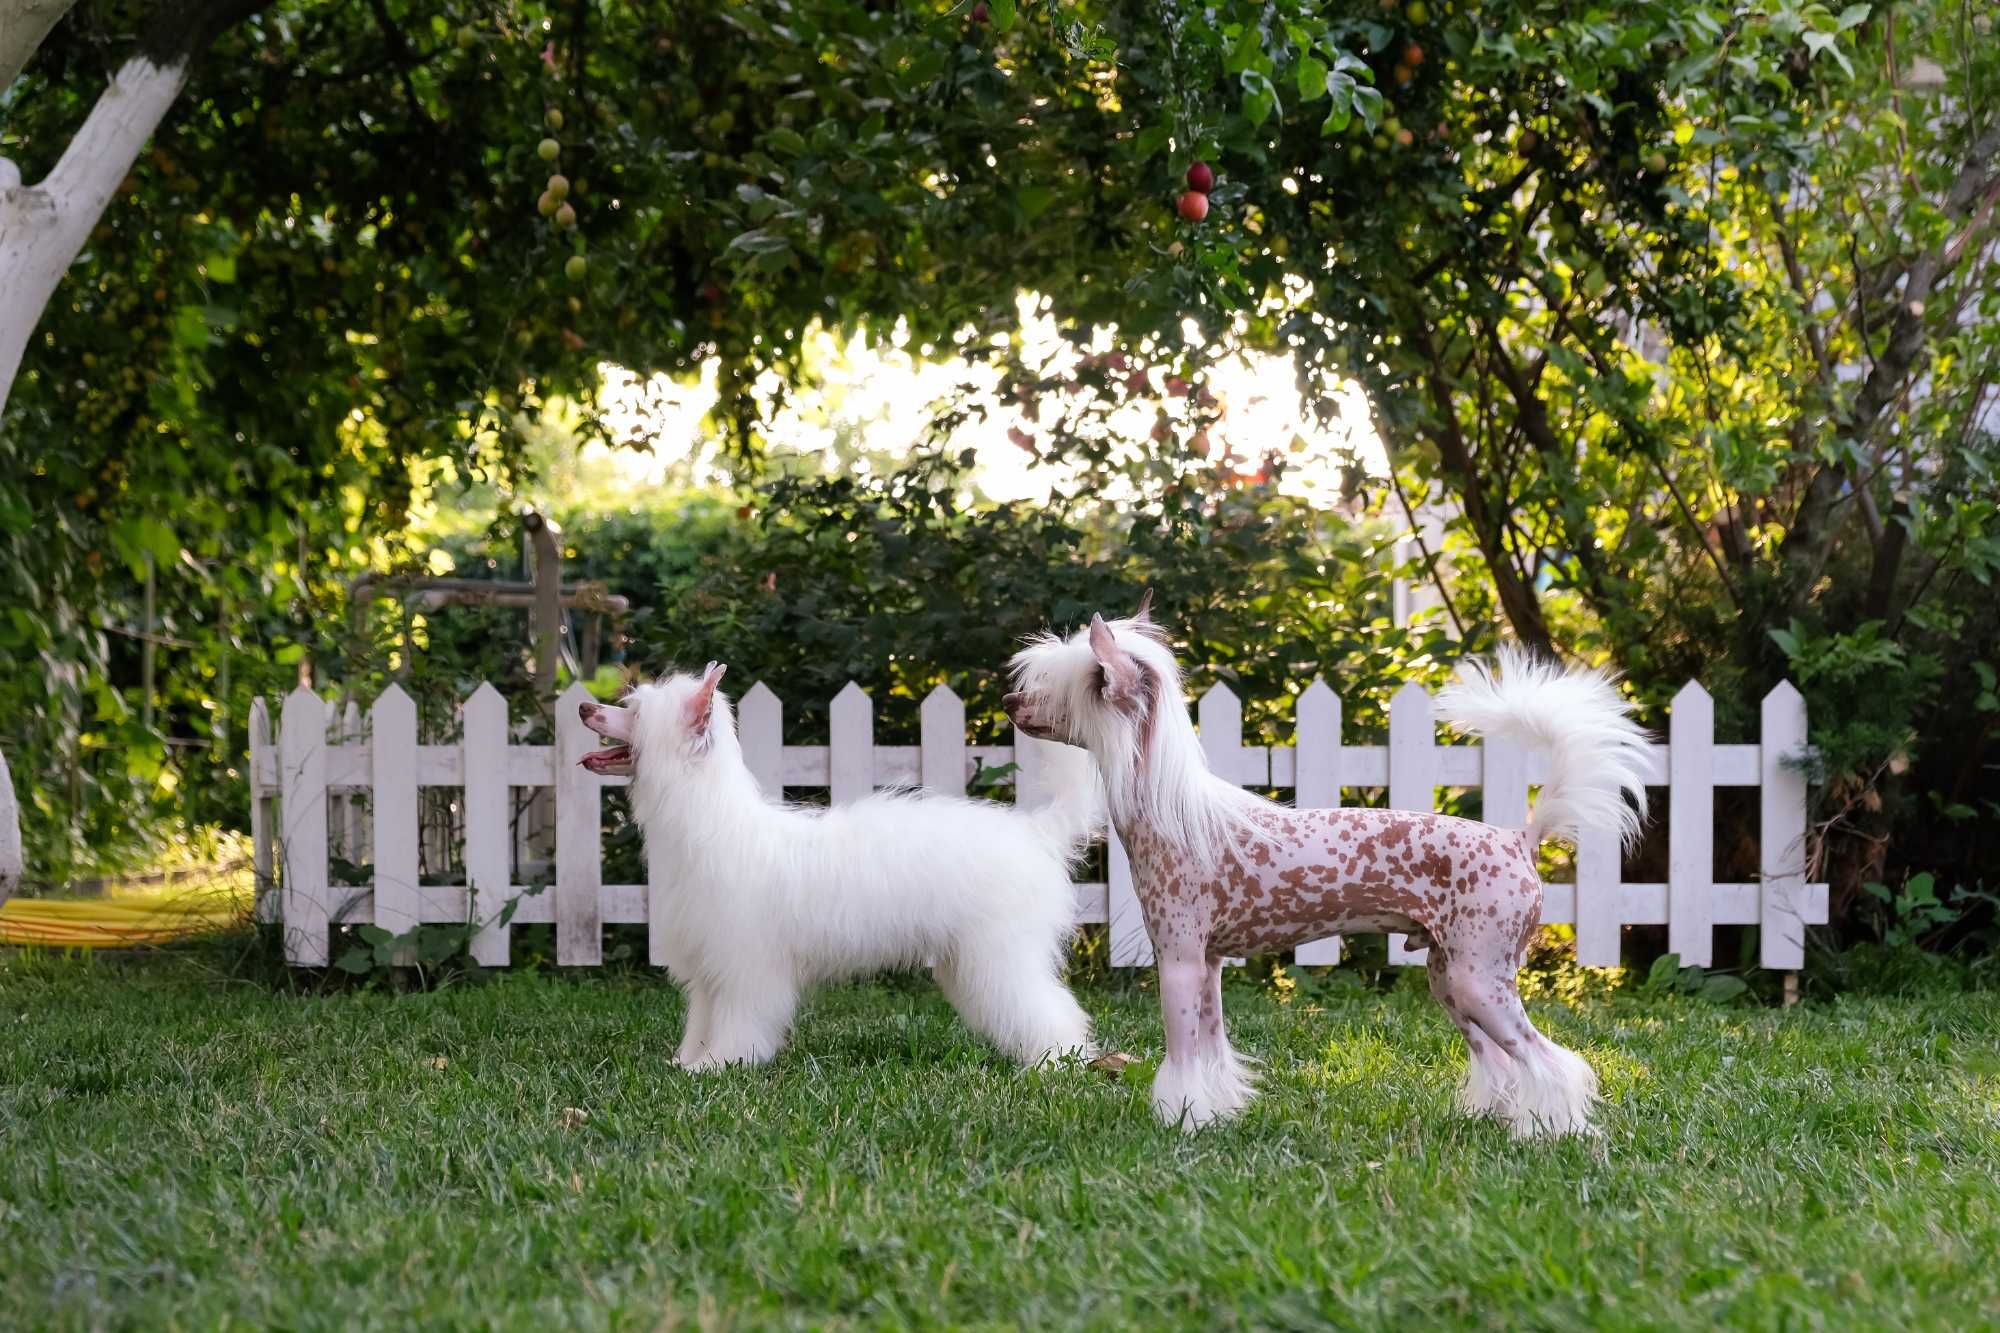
pixel 1153 767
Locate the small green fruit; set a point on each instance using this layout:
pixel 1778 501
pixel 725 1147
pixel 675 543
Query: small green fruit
pixel 552 118
pixel 1418 12
pixel 546 205
pixel 575 269
pixel 565 217
pixel 548 150
pixel 468 37
pixel 559 187
pixel 1656 162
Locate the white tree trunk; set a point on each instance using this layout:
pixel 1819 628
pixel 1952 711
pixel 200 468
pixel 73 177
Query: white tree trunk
pixel 43 227
pixel 22 31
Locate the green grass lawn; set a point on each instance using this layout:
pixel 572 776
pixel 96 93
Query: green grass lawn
pixel 180 1150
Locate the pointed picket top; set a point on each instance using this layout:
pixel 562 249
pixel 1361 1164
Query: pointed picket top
pixel 1220 713
pixel 485 702
pixel 1784 695
pixel 760 732
pixel 302 705
pixel 392 703
pixel 941 724
pixel 350 718
pixel 1691 693
pixel 1412 698
pixel 851 745
pixel 1316 696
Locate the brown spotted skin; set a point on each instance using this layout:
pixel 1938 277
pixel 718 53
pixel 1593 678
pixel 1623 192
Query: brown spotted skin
pixel 1469 889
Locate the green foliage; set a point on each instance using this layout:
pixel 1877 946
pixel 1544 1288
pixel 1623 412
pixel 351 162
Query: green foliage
pixel 1668 978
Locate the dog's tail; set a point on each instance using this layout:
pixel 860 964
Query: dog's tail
pixel 1598 757
pixel 1067 800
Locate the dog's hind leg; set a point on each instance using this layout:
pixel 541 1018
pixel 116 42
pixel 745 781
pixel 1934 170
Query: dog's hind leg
pixel 1015 999
pixel 700 1023
pixel 748 1020
pixel 1553 1088
pixel 1489 1075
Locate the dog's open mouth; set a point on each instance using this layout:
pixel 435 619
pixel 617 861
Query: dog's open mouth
pixel 612 761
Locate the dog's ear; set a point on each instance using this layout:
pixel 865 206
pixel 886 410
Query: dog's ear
pixel 1121 670
pixel 701 704
pixel 1144 615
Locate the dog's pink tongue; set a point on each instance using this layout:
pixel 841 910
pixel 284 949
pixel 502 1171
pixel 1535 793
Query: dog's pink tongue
pixel 597 760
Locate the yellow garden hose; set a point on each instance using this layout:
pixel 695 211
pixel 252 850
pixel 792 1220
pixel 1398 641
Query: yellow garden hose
pixel 124 918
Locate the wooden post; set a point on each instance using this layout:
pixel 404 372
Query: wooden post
pixel 942 751
pixel 12 866
pixel 545 541
pixel 760 731
pixel 1781 934
pixel 264 903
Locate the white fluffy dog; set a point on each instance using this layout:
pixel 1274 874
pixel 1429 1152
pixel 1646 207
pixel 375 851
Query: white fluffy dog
pixel 770 899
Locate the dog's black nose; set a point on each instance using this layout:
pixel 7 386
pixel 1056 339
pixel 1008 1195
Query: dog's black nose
pixel 586 711
pixel 1013 701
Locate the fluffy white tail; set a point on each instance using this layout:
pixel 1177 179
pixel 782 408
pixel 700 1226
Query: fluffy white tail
pixel 1069 806
pixel 1597 753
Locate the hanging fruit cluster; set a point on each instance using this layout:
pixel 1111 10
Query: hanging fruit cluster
pixel 1200 180
pixel 554 203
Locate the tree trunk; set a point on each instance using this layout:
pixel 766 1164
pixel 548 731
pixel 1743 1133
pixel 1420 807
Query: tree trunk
pixel 22 32
pixel 43 227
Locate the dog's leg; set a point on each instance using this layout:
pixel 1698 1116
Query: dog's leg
pixel 1185 1092
pixel 1231 1080
pixel 748 1020
pixel 1553 1088
pixel 700 1022
pixel 1012 995
pixel 1489 1075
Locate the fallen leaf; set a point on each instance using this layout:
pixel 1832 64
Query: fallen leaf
pixel 1112 1063
pixel 574 1116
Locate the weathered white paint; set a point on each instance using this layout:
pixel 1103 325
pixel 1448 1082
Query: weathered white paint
pixel 43 227
pixel 1781 832
pixel 488 841
pixel 25 24
pixel 262 803
pixel 1318 765
pixel 302 764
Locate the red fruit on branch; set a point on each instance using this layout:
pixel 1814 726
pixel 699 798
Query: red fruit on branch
pixel 1194 205
pixel 1201 178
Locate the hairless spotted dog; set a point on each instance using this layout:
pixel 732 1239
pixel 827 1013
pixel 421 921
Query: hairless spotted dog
pixel 1219 871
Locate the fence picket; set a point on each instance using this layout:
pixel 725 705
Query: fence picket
pixel 350 810
pixel 1131 944
pixel 393 750
pixel 1781 832
pixel 1600 923
pixel 942 752
pixel 302 775
pixel 851 742
pixel 579 846
pixel 1691 826
pixel 760 730
pixel 265 903
pixel 488 839
pixel 1220 714
pixel 1316 743
pixel 1412 785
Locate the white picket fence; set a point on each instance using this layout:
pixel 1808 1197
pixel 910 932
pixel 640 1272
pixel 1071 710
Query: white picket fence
pixel 295 782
